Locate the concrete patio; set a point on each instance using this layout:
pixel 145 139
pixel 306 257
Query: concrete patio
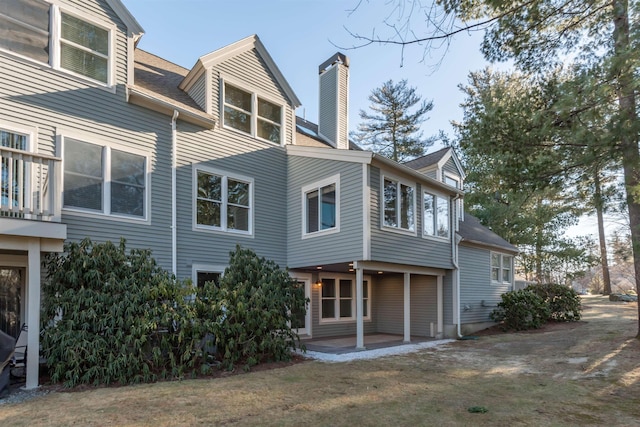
pixel 347 344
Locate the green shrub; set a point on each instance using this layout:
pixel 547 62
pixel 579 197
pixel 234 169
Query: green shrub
pixel 521 310
pixel 112 316
pixel 563 302
pixel 252 309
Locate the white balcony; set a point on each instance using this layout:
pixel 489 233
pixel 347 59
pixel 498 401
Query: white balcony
pixel 30 185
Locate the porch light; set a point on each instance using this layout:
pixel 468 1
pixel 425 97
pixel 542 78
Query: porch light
pixel 318 283
pixel 380 272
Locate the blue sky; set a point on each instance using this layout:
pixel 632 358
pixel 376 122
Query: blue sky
pixel 300 35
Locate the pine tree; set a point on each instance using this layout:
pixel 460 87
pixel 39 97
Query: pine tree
pixel 392 129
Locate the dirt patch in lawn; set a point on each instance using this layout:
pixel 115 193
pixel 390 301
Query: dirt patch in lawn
pixel 587 373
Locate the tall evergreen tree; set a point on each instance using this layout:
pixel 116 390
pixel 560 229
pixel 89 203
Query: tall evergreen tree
pixel 538 35
pixel 393 129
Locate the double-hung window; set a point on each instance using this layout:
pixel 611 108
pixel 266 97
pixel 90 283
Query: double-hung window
pixel 47 33
pixel 436 215
pixel 104 179
pixel 338 299
pixel 456 182
pixel 398 204
pixel 84 48
pixel 501 268
pixel 251 114
pixel 321 206
pixel 223 201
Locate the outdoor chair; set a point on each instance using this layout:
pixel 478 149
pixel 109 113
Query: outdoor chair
pixel 7 348
pixel 19 362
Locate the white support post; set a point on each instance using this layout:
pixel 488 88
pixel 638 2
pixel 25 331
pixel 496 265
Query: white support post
pixel 440 297
pixel 33 314
pixel 359 307
pixel 407 307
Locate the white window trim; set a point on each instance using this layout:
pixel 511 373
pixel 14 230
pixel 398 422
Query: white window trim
pixel 223 214
pixel 338 319
pixel 106 169
pixel 460 202
pixel 433 236
pixel 502 255
pixel 334 179
pixel 398 229
pixel 55 25
pixel 254 110
pixel 205 268
pixel 29 131
pixel 306 278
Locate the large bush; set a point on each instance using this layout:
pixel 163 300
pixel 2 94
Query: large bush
pixel 112 316
pixel 521 310
pixel 252 309
pixel 563 302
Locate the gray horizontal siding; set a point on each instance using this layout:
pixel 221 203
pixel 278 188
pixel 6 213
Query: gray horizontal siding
pixel 476 286
pixel 389 304
pixel 237 154
pixel 345 246
pixel 58 104
pixel 447 291
pixel 424 305
pixel 335 329
pixel 198 92
pixel 450 166
pixel 390 246
pixel 251 71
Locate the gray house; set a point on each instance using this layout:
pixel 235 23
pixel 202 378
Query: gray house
pixel 101 139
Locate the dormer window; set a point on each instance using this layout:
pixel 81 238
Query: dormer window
pixel 251 114
pixel 46 33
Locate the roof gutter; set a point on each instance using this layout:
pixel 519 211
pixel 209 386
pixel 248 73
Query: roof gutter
pixel 143 99
pixel 416 175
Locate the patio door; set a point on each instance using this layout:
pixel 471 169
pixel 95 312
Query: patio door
pixel 301 321
pixel 11 291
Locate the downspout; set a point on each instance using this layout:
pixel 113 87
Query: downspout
pixel 174 203
pixel 454 259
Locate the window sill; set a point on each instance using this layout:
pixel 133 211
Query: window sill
pixel 111 217
pixel 58 71
pixel 436 238
pixel 205 229
pixel 320 233
pixel 399 230
pixel 250 135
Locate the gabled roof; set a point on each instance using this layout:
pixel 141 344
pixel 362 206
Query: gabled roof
pixel 310 130
pixel 427 160
pixel 436 160
pixel 156 87
pixel 472 231
pixel 248 43
pixel 129 20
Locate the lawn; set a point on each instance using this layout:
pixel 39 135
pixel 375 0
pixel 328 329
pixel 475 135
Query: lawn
pixel 585 373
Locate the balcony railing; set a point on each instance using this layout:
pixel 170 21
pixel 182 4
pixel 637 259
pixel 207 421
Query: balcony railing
pixel 30 185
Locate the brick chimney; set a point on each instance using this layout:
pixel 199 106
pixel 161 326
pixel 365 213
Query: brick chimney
pixel 333 119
